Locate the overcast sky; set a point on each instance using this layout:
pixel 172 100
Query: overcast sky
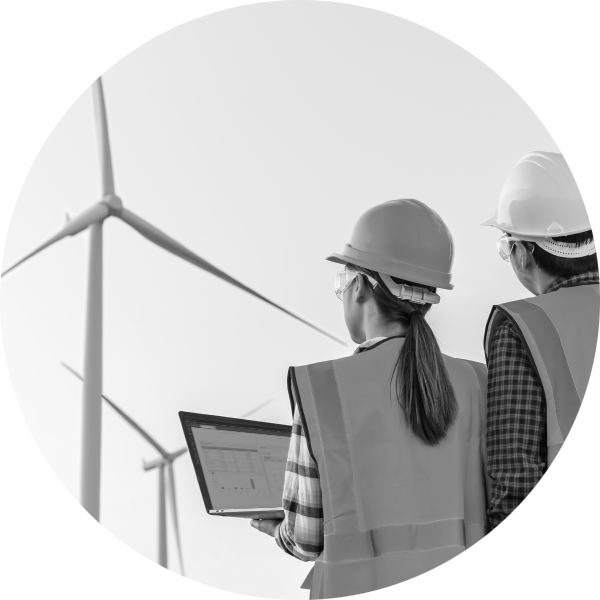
pixel 256 137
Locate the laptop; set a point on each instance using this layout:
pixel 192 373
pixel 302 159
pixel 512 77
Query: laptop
pixel 239 464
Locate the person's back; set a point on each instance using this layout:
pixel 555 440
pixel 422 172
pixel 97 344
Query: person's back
pixel 539 350
pixel 561 330
pixel 385 472
pixel 394 507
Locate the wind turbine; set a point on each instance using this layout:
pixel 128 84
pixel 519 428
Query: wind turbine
pixel 166 461
pixel 165 469
pixel 93 218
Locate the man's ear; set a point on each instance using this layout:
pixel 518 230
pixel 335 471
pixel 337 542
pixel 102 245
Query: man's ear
pixel 523 256
pixel 361 288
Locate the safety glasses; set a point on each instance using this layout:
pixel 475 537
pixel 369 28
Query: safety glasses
pixel 505 245
pixel 344 279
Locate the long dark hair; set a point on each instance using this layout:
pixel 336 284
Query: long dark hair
pixel 423 387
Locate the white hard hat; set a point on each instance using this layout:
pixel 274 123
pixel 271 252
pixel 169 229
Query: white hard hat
pixel 404 239
pixel 540 199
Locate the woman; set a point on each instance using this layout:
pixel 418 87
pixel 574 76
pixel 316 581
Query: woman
pixel 385 475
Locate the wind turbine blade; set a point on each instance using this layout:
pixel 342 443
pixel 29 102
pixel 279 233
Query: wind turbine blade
pixel 108 184
pixel 96 213
pixel 157 462
pixel 168 243
pixel 125 416
pixel 173 503
pixel 52 240
pixel 257 408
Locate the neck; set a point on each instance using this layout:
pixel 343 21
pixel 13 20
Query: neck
pixel 539 281
pixel 374 327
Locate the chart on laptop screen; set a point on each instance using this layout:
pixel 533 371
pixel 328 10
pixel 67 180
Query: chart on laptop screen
pixel 242 469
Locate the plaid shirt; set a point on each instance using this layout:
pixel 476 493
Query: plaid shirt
pixel 516 416
pixel 301 532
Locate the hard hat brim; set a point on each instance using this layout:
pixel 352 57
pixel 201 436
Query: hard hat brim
pixel 338 258
pixel 490 223
pixel 526 235
pixel 510 230
pixel 409 272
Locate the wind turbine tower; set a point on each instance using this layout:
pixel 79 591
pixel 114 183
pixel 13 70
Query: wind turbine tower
pixel 165 468
pixel 93 218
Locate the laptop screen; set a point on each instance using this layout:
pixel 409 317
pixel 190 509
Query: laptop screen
pixel 242 464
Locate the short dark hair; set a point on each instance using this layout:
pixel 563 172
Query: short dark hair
pixel 559 266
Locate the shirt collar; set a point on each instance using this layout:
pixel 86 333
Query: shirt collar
pixel 368 343
pixel 588 278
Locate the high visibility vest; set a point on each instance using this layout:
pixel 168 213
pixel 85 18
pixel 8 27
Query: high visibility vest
pixel 561 331
pixel 393 506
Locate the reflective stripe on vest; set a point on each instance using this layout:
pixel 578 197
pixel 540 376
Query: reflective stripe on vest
pixel 414 537
pixel 561 332
pixel 393 507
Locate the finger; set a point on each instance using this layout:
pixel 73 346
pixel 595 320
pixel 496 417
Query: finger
pixel 261 525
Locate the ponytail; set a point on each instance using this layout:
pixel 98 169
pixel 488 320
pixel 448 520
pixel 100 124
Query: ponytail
pixel 423 387
pixel 422 383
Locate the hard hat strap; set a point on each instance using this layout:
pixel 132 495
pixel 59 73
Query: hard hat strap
pixel 416 295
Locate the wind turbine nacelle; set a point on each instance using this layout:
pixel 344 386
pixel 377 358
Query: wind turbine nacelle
pixel 163 460
pixel 114 203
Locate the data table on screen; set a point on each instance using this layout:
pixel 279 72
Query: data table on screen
pixel 242 469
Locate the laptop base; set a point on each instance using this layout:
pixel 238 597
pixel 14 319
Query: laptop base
pixel 250 514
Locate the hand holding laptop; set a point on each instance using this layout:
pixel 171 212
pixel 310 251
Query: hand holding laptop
pixel 267 526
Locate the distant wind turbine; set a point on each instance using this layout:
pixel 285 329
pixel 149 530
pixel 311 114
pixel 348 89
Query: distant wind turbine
pixel 167 460
pixel 93 218
pixel 164 462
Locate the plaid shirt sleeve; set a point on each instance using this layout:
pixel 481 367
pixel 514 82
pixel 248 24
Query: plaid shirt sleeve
pixel 516 424
pixel 301 532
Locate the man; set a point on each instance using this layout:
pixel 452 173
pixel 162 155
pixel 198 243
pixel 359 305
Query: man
pixel 540 350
